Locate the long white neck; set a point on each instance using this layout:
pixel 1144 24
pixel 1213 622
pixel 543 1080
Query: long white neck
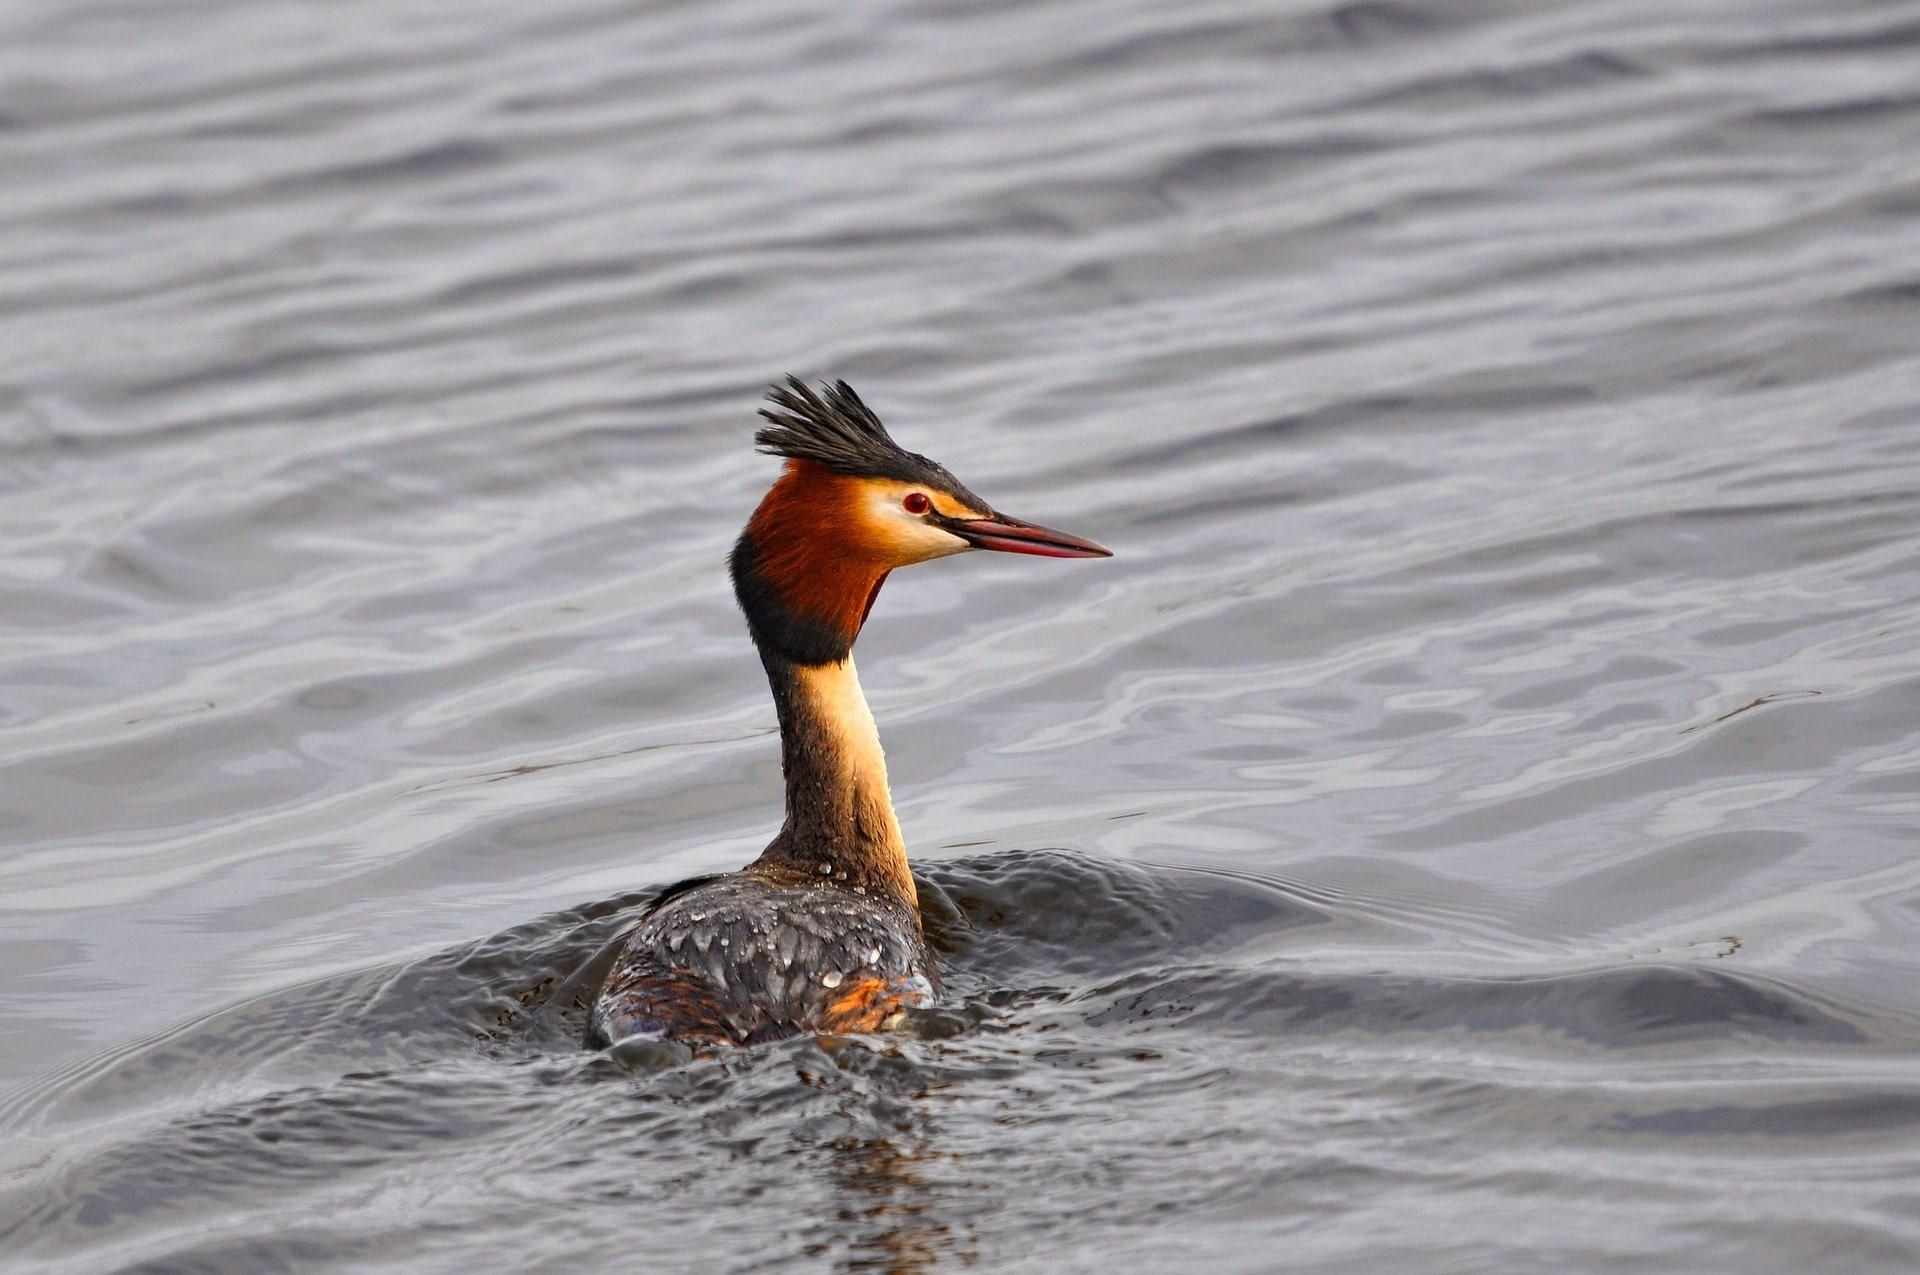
pixel 840 822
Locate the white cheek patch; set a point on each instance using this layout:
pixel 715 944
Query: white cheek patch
pixel 911 536
pixel 929 541
pixel 948 543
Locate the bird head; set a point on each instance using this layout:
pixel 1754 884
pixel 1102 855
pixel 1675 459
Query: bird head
pixel 851 506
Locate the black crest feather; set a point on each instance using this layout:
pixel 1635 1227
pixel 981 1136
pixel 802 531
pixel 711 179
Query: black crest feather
pixel 832 427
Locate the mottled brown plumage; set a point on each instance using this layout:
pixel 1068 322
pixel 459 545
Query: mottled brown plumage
pixel 757 956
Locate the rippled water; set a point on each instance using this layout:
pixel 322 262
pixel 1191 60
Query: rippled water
pixel 1470 826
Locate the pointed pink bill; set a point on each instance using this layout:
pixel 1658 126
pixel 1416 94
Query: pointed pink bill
pixel 1010 535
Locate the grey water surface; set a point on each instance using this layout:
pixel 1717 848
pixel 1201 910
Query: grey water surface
pixel 1473 824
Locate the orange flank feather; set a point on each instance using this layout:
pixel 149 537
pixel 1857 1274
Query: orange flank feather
pixel 865 1005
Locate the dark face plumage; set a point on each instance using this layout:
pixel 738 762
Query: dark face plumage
pixel 852 506
pixel 834 429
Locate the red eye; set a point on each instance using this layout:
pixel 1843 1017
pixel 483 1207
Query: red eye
pixel 916 503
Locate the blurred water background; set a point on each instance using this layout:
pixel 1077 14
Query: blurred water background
pixel 1470 826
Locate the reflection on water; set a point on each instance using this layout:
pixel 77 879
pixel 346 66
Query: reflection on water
pixel 884 1219
pixel 1489 767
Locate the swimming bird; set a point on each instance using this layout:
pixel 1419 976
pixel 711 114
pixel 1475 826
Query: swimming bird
pixel 822 932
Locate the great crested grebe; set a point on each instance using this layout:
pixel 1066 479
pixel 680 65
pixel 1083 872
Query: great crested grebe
pixel 821 933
